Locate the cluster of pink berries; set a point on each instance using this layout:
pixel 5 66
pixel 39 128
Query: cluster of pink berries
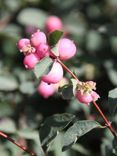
pixel 36 48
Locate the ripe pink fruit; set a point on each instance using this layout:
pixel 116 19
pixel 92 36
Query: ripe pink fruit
pixel 94 95
pixel 24 46
pixel 46 89
pixel 30 61
pixel 86 98
pixel 24 42
pixel 66 48
pixel 55 74
pixel 37 38
pixel 53 23
pixel 42 50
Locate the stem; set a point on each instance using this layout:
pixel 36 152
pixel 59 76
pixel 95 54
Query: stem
pixel 108 123
pixel 68 70
pixel 17 144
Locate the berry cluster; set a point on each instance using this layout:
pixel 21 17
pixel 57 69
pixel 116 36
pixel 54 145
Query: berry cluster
pixel 36 48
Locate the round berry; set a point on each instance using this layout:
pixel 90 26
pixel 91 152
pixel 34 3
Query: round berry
pixel 30 61
pixel 85 98
pixel 53 23
pixel 55 74
pixel 37 38
pixel 42 50
pixel 66 48
pixel 24 42
pixel 46 89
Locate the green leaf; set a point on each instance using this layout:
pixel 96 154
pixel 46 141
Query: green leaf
pixel 27 17
pixel 41 68
pixel 28 133
pixel 27 87
pixel 8 83
pixel 111 68
pixel 54 37
pixel 112 100
pixel 6 108
pixel 54 50
pixel 53 125
pixel 74 83
pixel 7 125
pixel 78 129
pixel 67 92
pixel 115 146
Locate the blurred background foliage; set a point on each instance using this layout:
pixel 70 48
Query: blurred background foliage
pixel 92 24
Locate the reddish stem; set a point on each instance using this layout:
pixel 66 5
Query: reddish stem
pixel 68 70
pixel 17 144
pixel 107 122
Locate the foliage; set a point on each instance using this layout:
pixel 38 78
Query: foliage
pixel 24 115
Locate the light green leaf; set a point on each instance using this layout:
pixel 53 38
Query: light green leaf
pixel 33 17
pixel 8 83
pixel 27 87
pixel 41 68
pixel 78 129
pixel 7 125
pixel 54 50
pixel 67 92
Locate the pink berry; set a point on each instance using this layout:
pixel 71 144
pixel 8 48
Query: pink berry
pixel 24 42
pixel 37 38
pixel 24 46
pixel 46 89
pixel 55 74
pixel 85 98
pixel 94 95
pixel 66 48
pixel 42 50
pixel 53 23
pixel 30 61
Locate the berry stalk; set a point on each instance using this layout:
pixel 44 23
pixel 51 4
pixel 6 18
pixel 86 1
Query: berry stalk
pixel 107 122
pixel 17 144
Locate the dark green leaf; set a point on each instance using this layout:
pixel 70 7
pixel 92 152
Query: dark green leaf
pixel 67 92
pixel 78 129
pixel 54 37
pixel 53 125
pixel 112 100
pixel 41 68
